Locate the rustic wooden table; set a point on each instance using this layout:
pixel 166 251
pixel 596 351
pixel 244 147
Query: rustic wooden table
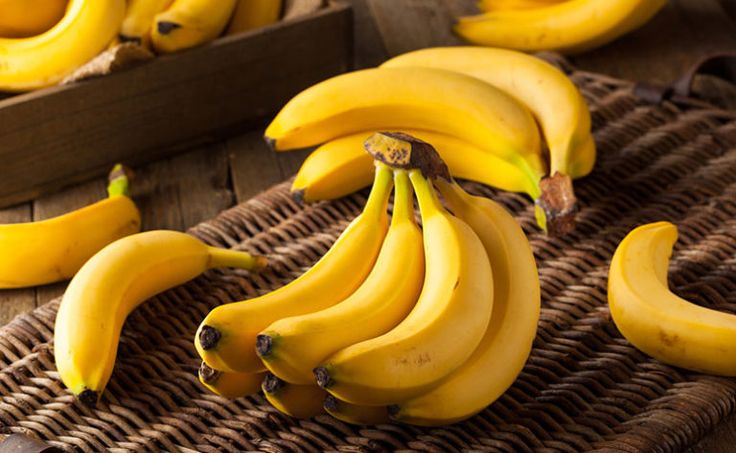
pixel 179 192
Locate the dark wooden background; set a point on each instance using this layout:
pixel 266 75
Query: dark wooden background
pixel 179 192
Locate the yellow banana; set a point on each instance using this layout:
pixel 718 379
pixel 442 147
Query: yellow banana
pixel 52 250
pixel 113 283
pixel 138 20
pixel 356 414
pixel 226 339
pixel 505 5
pixel 300 401
pixel 250 14
pixel 657 321
pixel 291 347
pixel 230 385
pixel 24 18
pixel 502 352
pixel 553 99
pixel 341 166
pixel 45 59
pixel 414 98
pixel 572 26
pixel 442 330
pixel 190 23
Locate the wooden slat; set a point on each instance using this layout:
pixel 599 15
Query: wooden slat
pixel 253 165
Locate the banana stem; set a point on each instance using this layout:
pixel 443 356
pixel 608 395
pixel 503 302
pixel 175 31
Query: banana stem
pixel 382 185
pixel 428 203
pixel 403 200
pixel 118 183
pixel 233 258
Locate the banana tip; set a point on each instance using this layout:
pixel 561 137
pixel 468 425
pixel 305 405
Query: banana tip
pixel 393 410
pixel 330 403
pixel 209 337
pixel 166 27
pixel 264 345
pixel 208 374
pixel 298 196
pixel 88 397
pixel 270 141
pixel 271 383
pixel 322 376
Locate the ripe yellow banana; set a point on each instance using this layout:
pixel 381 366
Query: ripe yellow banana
pixel 250 14
pixel 189 23
pixel 502 352
pixel 24 18
pixel 230 385
pixel 52 250
pixel 139 18
pixel 113 283
pixel 341 166
pixel 45 59
pixel 553 99
pixel 657 321
pixel 291 347
pixel 411 98
pixel 300 401
pixel 505 5
pixel 442 330
pixel 226 339
pixel 572 26
pixel 356 414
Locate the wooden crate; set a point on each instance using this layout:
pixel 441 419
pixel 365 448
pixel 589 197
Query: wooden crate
pixel 63 135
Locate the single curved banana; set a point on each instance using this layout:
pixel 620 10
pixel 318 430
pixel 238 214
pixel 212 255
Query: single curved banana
pixel 114 282
pixel 299 401
pixel 226 339
pixel 24 18
pixel 45 59
pixel 411 98
pixel 190 23
pixel 341 166
pixel 506 5
pixel 657 321
pixel 356 414
pixel 502 352
pixel 553 99
pixel 230 385
pixel 139 18
pixel 251 14
pixel 291 347
pixel 570 27
pixel 37 253
pixel 441 332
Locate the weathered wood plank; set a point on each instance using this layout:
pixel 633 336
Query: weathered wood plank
pixel 253 165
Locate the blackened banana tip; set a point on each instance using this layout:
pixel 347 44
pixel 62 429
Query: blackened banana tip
pixel 264 345
pixel 88 397
pixel 208 374
pixel 209 337
pixel 165 27
pixel 322 376
pixel 271 142
pixel 330 403
pixel 271 383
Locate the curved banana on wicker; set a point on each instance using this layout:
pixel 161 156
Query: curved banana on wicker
pixel 657 321
pixel 230 385
pixel 449 319
pixel 502 352
pixel 291 347
pixel 24 18
pixel 226 339
pixel 139 18
pixel 300 401
pixel 52 250
pixel 111 285
pixel 354 413
pixel 572 26
pixel 190 23
pixel 43 60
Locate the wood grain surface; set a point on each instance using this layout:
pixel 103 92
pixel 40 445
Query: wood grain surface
pixel 181 191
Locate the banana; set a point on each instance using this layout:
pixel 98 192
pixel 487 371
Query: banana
pixel 413 98
pixel 442 330
pixel 655 320
pixel 45 59
pixel 571 27
pixel 113 283
pixel 505 5
pixel 250 14
pixel 291 347
pixel 502 352
pixel 226 339
pixel 190 23
pixel 230 385
pixel 24 18
pixel 356 414
pixel 341 166
pixel 138 20
pixel 300 401
pixel 37 253
pixel 553 99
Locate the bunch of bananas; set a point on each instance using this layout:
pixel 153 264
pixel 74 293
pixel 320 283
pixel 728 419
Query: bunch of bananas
pixel 43 41
pixel 568 26
pixel 479 106
pixel 424 326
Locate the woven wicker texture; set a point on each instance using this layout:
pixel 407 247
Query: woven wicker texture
pixel 584 387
